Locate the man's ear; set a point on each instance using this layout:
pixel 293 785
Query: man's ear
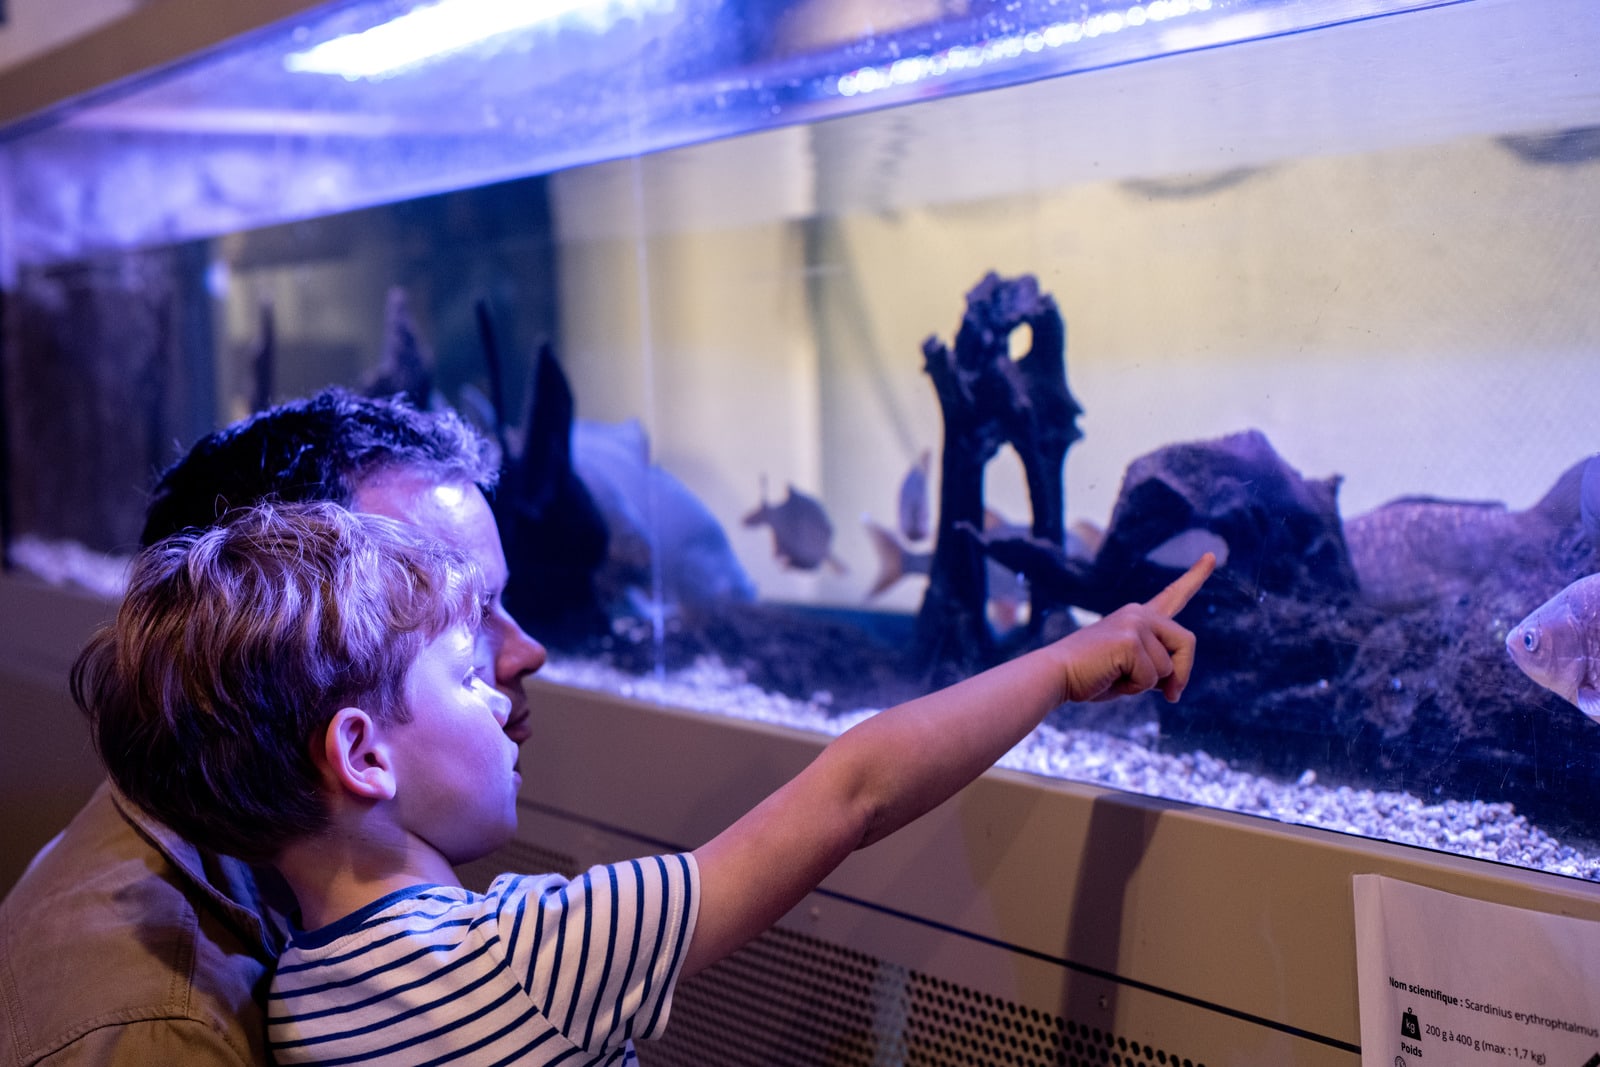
pixel 355 759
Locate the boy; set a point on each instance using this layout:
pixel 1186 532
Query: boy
pixel 298 685
pixel 126 944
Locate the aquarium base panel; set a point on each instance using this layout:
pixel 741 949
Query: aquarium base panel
pixel 850 982
pixel 1049 922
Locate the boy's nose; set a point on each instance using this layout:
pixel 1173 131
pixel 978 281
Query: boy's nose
pixel 500 705
pixel 513 655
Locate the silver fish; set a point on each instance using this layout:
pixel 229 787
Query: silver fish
pixel 802 535
pixel 1558 645
pixel 914 499
pixel 1183 550
pixel 1417 550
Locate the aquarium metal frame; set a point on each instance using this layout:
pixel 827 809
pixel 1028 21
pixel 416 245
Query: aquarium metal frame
pixel 118 56
pixel 131 104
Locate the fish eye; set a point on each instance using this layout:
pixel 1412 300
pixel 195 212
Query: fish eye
pixel 1530 640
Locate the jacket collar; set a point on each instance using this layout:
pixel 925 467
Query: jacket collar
pixel 253 901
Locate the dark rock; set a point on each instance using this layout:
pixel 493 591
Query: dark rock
pixel 987 399
pixel 549 523
pixel 1283 530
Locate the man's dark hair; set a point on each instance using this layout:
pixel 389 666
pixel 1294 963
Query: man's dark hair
pixel 318 448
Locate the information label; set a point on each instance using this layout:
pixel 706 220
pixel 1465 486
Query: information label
pixel 1448 980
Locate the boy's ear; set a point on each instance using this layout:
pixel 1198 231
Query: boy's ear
pixel 355 759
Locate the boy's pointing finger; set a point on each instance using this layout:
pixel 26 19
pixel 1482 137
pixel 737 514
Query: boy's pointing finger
pixel 1174 597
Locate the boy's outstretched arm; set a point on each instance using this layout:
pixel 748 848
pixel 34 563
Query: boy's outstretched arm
pixel 889 769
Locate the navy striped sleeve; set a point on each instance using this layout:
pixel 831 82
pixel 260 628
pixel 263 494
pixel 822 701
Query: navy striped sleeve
pixel 607 947
pixel 538 971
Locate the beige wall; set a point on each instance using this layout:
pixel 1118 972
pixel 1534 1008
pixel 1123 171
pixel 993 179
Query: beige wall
pixel 1418 319
pixel 47 765
pixel 33 27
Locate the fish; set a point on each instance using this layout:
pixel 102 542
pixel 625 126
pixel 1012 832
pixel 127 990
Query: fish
pixel 1558 645
pixel 1414 551
pixel 667 548
pixel 895 559
pixel 802 533
pixel 1183 550
pixel 1417 550
pixel 1008 589
pixel 1575 145
pixel 1090 536
pixel 914 499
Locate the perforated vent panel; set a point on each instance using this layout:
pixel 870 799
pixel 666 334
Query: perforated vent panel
pixel 788 1000
pixel 518 856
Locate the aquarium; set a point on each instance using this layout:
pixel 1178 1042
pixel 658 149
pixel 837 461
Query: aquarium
pixel 882 342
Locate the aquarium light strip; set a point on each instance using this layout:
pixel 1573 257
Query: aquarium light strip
pixel 914 69
pixel 450 25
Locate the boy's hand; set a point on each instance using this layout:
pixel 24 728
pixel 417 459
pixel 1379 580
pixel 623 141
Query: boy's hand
pixel 1137 647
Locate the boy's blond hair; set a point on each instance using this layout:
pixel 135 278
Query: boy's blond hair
pixel 234 647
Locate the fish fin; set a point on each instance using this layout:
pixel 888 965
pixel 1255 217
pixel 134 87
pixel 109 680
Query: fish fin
pixel 1589 702
pixel 1005 612
pixel 1090 534
pixel 761 512
pixel 631 433
pixel 891 557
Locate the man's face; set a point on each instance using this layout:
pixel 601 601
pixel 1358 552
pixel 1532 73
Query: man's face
pixel 458 514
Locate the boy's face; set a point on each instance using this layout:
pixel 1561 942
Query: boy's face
pixel 458 514
pixel 455 766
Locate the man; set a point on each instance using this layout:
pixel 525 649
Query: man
pixel 126 944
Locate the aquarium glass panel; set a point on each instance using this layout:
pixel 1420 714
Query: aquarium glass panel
pixel 354 104
pixel 801 422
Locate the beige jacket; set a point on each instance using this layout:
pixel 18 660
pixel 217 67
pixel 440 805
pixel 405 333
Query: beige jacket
pixel 125 945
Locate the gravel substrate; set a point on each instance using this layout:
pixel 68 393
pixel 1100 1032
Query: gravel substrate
pixel 1492 831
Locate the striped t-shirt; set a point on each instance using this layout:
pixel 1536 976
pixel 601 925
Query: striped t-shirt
pixel 538 970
